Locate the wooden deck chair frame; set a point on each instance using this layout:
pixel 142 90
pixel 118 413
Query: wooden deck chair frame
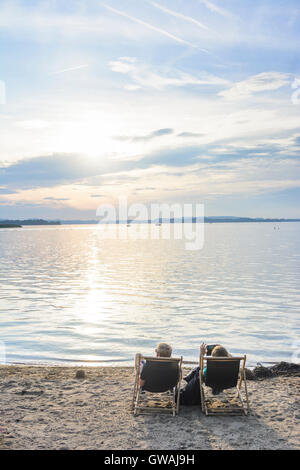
pixel 136 406
pixel 244 407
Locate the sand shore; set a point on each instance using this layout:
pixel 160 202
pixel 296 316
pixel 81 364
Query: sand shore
pixel 48 408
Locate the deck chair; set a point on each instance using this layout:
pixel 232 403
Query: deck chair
pixel 223 373
pixel 161 391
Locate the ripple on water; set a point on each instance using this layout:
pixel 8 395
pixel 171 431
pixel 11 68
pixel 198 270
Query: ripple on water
pixel 67 295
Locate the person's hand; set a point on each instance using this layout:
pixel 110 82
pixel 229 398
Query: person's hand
pixel 203 349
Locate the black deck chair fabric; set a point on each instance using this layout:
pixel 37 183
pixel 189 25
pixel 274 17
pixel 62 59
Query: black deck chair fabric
pixel 221 375
pixel 160 376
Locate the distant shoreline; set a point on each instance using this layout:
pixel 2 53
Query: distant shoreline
pixel 207 220
pixel 16 223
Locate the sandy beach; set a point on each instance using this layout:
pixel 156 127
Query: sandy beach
pixel 49 408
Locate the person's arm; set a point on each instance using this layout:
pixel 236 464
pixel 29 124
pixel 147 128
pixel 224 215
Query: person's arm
pixel 143 378
pixel 203 349
pixel 138 361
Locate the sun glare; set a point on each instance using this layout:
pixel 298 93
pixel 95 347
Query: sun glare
pixel 90 136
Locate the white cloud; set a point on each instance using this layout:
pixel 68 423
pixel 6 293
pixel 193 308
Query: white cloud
pixel 132 87
pixel 128 59
pixel 179 15
pixel 216 9
pixel 120 66
pixel 70 69
pixel 45 20
pixel 33 124
pixel 266 81
pixel 152 27
pixel 143 76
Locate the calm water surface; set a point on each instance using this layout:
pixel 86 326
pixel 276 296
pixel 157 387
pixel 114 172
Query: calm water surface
pixel 67 295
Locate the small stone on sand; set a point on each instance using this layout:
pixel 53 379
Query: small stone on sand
pixel 80 374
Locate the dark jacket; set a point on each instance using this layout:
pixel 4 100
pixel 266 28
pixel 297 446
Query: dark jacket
pixel 190 394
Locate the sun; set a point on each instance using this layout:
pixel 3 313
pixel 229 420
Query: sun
pixel 91 134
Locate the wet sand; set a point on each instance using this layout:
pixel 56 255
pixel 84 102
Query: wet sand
pixel 49 408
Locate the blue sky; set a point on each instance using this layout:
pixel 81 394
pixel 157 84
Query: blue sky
pixel 182 100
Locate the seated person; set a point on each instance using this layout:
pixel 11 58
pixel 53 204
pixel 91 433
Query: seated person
pixel 218 351
pixel 190 395
pixel 162 350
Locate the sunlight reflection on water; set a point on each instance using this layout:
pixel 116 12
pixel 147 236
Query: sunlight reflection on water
pixel 68 295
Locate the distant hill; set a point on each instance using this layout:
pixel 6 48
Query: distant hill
pixel 207 220
pixel 10 226
pixel 244 219
pixel 79 222
pixel 19 223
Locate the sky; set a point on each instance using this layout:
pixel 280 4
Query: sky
pixel 189 101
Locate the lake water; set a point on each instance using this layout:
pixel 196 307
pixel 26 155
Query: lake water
pixel 66 295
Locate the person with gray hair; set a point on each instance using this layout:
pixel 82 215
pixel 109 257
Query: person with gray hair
pixel 162 350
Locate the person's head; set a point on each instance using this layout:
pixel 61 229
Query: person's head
pixel 163 350
pixel 220 351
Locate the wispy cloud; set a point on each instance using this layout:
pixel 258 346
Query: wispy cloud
pixel 145 77
pixel 154 28
pixel 33 124
pixel 216 9
pixel 237 170
pixel 190 134
pixel 70 69
pixel 7 191
pixel 56 199
pixel 179 15
pixel 266 81
pixel 152 135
